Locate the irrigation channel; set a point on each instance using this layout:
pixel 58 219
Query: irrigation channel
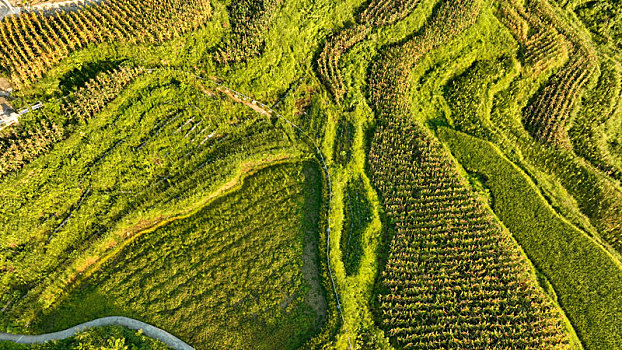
pixel 157 333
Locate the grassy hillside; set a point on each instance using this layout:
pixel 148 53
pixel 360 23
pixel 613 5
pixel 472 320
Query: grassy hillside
pixel 172 172
pixel 117 179
pixel 240 272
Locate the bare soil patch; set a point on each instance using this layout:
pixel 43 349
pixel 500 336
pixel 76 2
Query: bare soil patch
pixel 5 85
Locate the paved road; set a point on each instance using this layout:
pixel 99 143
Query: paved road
pixel 6 9
pixel 148 330
pixel 47 8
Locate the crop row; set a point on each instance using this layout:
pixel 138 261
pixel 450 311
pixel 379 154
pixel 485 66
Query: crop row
pixel 19 147
pixel 389 75
pixel 454 278
pixel 357 215
pixel 377 13
pixel 32 42
pixel 547 113
pixel 543 44
pixel 385 12
pixel 328 62
pixel 344 139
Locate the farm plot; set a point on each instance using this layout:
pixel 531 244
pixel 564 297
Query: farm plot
pixel 585 278
pixel 32 42
pixel 21 144
pixel 110 179
pixel 454 277
pixel 231 276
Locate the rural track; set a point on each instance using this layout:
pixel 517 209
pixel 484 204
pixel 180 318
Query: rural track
pixel 155 332
pixel 6 9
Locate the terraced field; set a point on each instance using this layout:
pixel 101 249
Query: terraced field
pixel 314 174
pixel 238 257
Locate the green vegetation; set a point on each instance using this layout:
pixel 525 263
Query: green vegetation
pixel 248 20
pixel 603 18
pixel 465 93
pixel 358 215
pixel 444 239
pixel 578 268
pixel 33 43
pixel 158 183
pixel 454 277
pixel 594 130
pixel 235 274
pixel 344 137
pixel 119 179
pixel 103 338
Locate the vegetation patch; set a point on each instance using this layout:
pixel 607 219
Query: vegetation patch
pixel 229 276
pixel 358 215
pixel 109 177
pixel 166 173
pixel 576 265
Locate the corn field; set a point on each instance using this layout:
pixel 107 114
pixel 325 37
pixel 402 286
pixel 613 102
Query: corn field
pixel 454 279
pixel 31 43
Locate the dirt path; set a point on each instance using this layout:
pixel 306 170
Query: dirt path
pixel 148 330
pixel 52 7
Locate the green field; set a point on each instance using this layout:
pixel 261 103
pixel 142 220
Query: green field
pixel 314 174
pixel 577 266
pixel 230 275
